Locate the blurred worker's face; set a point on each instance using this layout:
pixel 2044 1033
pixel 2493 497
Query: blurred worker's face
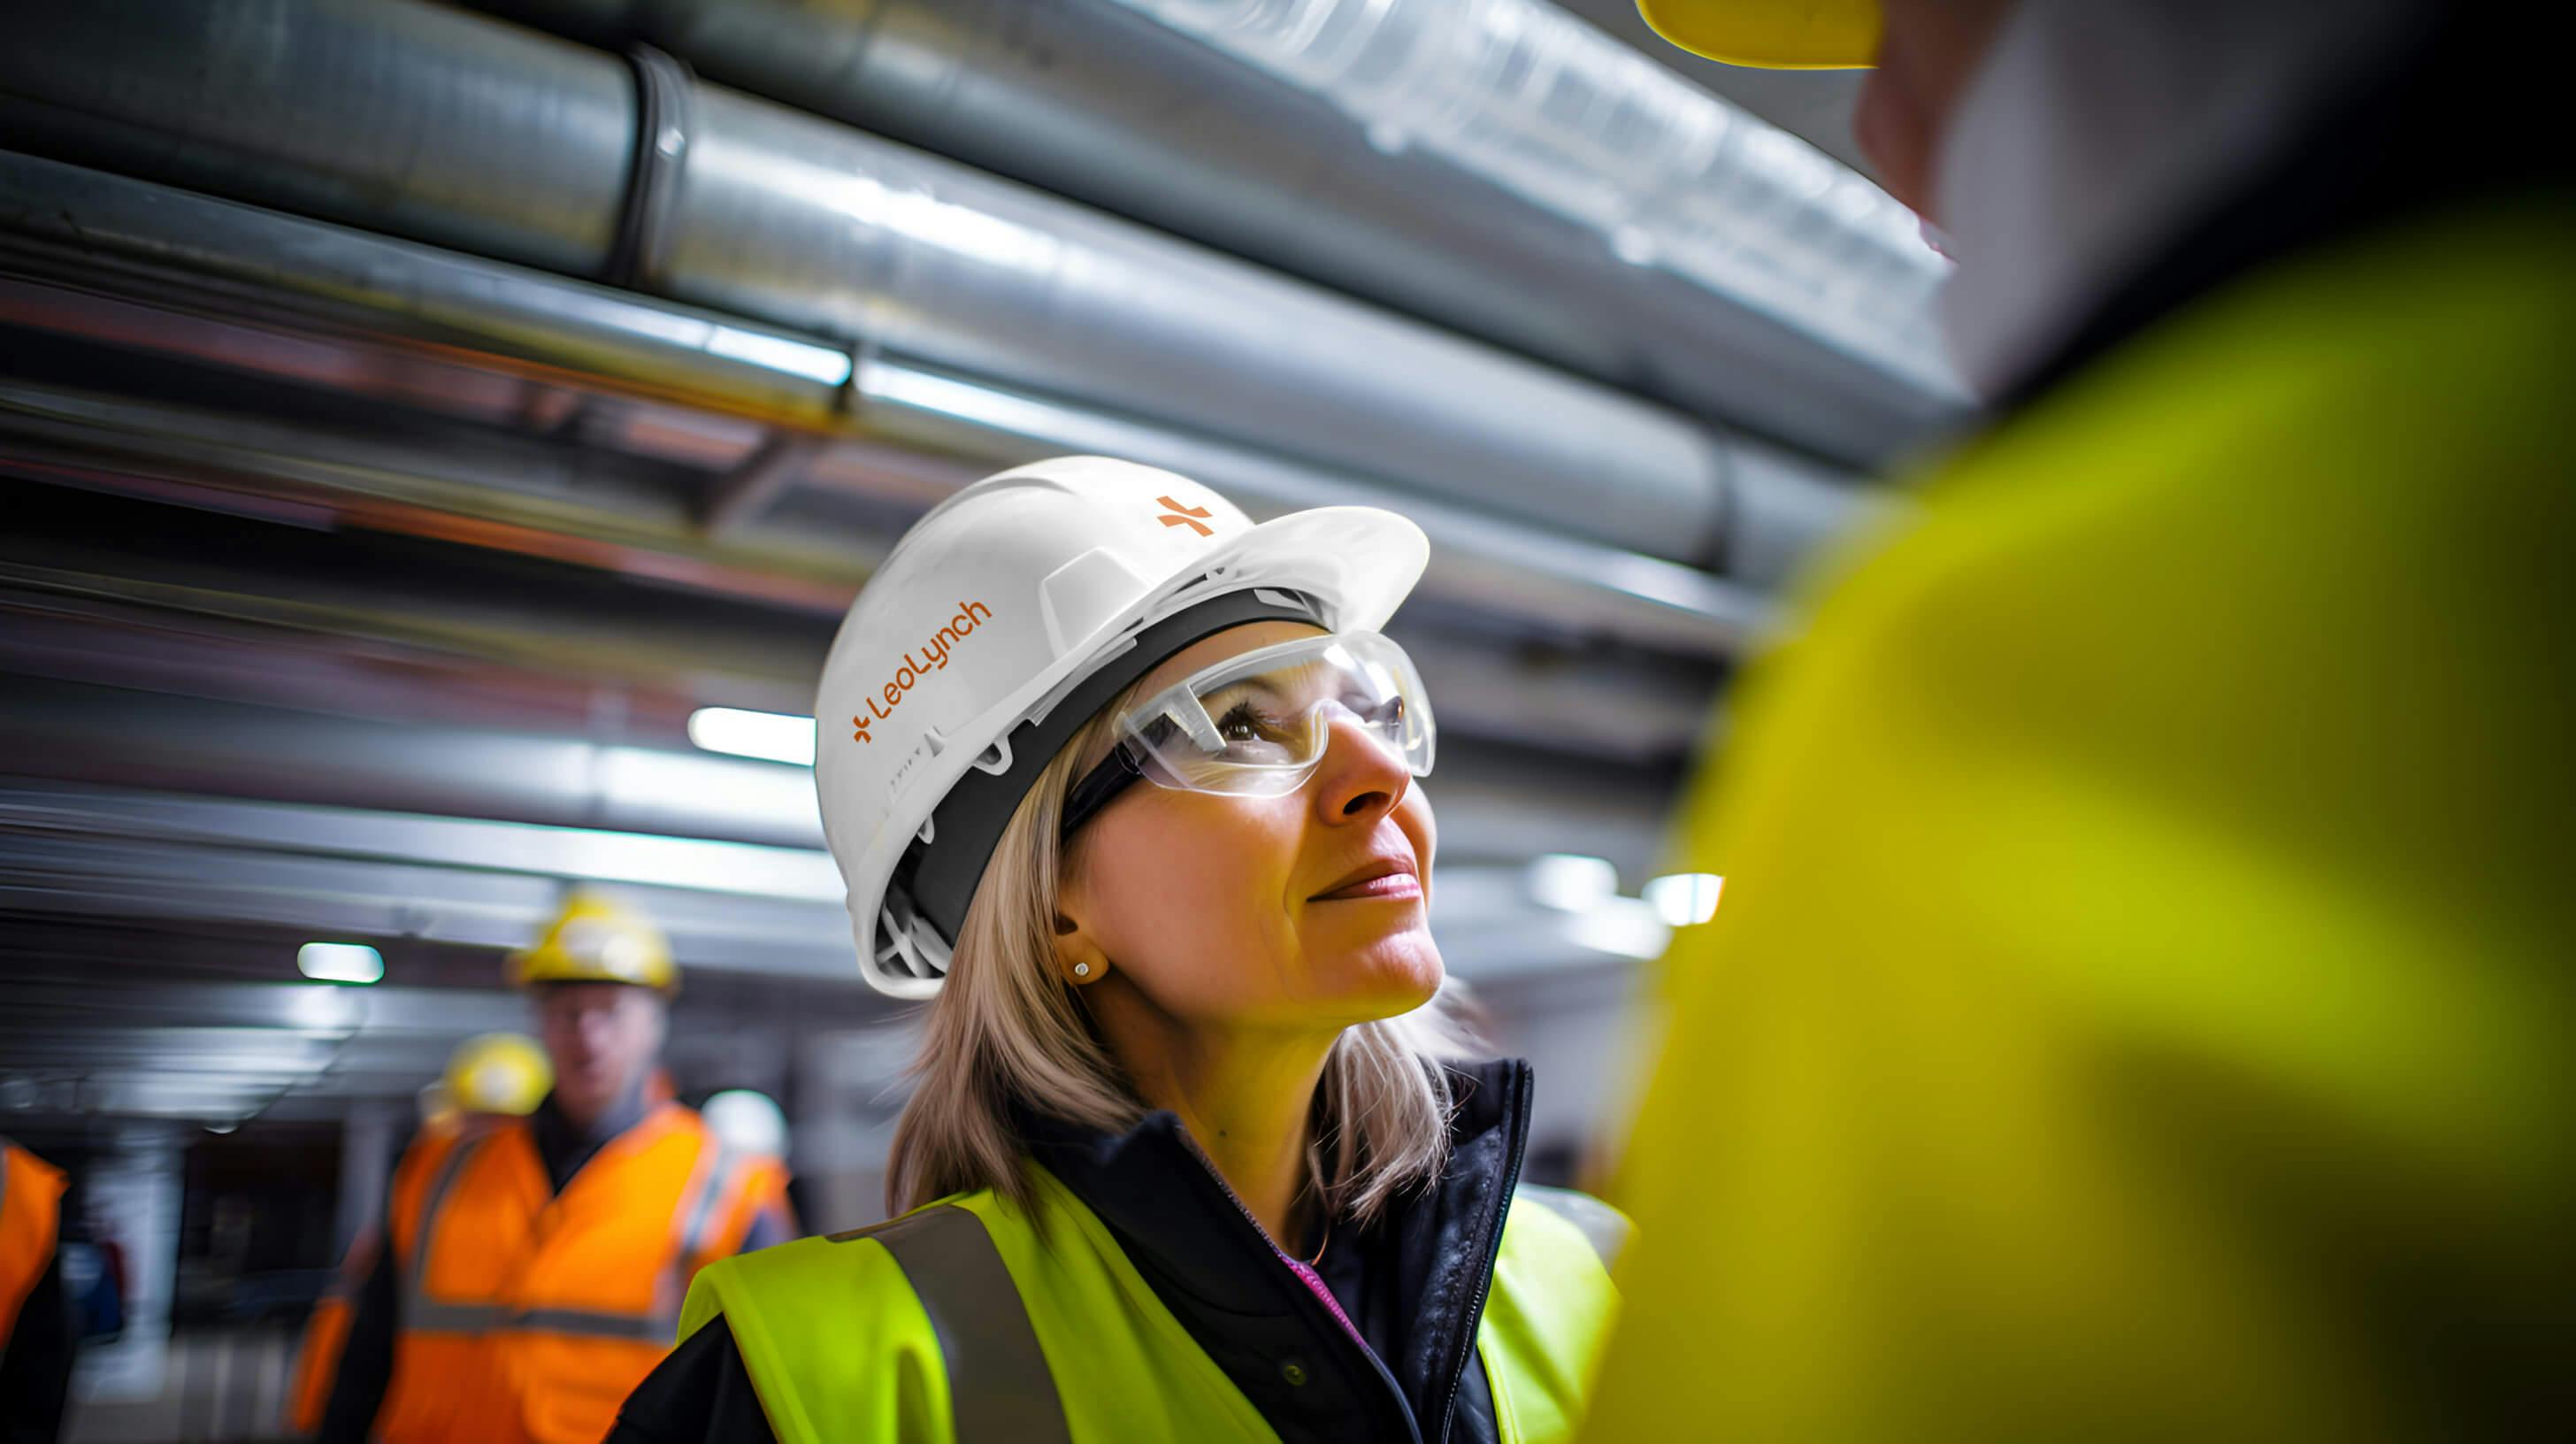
pixel 1928 52
pixel 601 1036
pixel 1300 912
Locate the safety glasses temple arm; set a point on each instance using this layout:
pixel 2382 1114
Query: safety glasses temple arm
pixel 1099 787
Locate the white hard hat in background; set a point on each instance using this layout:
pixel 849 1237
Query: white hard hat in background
pixel 747 1122
pixel 1001 622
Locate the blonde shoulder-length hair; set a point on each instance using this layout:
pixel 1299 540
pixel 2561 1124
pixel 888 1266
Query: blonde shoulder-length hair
pixel 1006 1032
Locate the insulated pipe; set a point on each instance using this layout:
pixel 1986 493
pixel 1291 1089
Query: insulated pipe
pixel 1093 101
pixel 414 119
pixel 223 259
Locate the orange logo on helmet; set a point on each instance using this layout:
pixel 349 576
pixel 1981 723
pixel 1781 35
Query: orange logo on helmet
pixel 933 658
pixel 1183 516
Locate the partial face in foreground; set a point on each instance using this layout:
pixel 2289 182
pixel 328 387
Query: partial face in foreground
pixel 602 1037
pixel 1928 53
pixel 1301 911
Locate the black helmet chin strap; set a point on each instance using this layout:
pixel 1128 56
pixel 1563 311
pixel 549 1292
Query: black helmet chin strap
pixel 940 875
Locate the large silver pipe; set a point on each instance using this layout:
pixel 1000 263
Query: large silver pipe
pixel 207 255
pixel 1095 102
pixel 413 119
pixel 1492 807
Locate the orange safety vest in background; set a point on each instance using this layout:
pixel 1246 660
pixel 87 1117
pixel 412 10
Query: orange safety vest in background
pixel 530 1315
pixel 31 1212
pixel 326 1334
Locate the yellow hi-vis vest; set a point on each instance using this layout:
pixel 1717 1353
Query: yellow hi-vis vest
pixel 2141 1006
pixel 964 1322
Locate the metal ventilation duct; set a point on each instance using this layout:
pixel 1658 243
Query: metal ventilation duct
pixel 414 119
pixel 1538 102
pixel 313 304
pixel 1665 243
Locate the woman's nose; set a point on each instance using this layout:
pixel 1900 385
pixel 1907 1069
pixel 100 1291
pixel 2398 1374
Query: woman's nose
pixel 1361 778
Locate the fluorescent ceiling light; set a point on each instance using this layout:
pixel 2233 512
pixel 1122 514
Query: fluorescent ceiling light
pixel 340 962
pixel 1621 926
pixel 1569 882
pixel 770 736
pixel 1685 898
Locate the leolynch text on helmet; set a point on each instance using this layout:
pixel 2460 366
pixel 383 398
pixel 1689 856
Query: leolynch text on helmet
pixel 956 629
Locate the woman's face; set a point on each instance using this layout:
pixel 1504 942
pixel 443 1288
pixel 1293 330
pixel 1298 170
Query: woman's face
pixel 1303 910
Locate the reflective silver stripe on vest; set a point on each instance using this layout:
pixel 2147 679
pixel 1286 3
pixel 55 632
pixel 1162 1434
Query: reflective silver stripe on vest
pixel 701 1216
pixel 1601 1224
pixel 420 1312
pixel 645 1328
pixel 999 1387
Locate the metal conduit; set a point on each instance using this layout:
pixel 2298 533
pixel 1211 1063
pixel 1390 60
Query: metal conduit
pixel 61 220
pixel 1095 102
pixel 411 118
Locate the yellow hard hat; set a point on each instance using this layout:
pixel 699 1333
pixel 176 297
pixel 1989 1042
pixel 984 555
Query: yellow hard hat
pixel 498 1073
pixel 1771 34
pixel 597 939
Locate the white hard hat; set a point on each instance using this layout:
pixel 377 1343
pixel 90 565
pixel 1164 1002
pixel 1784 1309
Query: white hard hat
pixel 747 1122
pixel 1008 616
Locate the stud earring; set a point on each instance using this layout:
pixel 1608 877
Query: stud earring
pixel 1082 970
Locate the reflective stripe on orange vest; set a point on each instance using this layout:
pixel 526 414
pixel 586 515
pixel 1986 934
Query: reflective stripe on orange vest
pixel 528 1314
pixel 31 1197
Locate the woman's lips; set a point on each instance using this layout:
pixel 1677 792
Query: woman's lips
pixel 1392 885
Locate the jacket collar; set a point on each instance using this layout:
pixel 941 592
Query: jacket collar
pixel 2094 131
pixel 2435 129
pixel 564 1147
pixel 1212 1265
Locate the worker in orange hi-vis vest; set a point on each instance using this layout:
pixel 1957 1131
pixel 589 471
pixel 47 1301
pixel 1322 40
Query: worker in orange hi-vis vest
pixel 490 1078
pixel 532 1269
pixel 35 1326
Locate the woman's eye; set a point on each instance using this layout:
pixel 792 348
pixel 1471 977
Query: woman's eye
pixel 1242 724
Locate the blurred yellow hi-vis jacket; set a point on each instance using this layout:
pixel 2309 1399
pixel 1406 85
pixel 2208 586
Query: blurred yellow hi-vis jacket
pixel 2144 1004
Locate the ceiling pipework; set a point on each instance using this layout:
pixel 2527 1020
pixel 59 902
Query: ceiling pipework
pixel 1496 167
pixel 451 128
pixel 254 283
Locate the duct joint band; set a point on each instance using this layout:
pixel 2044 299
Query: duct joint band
pixel 663 126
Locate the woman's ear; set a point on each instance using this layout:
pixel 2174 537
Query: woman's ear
pixel 1078 959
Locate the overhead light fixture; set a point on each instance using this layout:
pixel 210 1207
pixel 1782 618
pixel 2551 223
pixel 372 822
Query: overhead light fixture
pixel 340 962
pixel 769 736
pixel 1570 882
pixel 1621 926
pixel 1685 898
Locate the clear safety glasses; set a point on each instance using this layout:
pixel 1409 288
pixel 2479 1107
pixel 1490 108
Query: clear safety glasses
pixel 1257 725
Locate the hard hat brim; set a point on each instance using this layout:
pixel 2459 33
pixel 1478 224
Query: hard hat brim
pixel 1779 35
pixel 536 970
pixel 1362 561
